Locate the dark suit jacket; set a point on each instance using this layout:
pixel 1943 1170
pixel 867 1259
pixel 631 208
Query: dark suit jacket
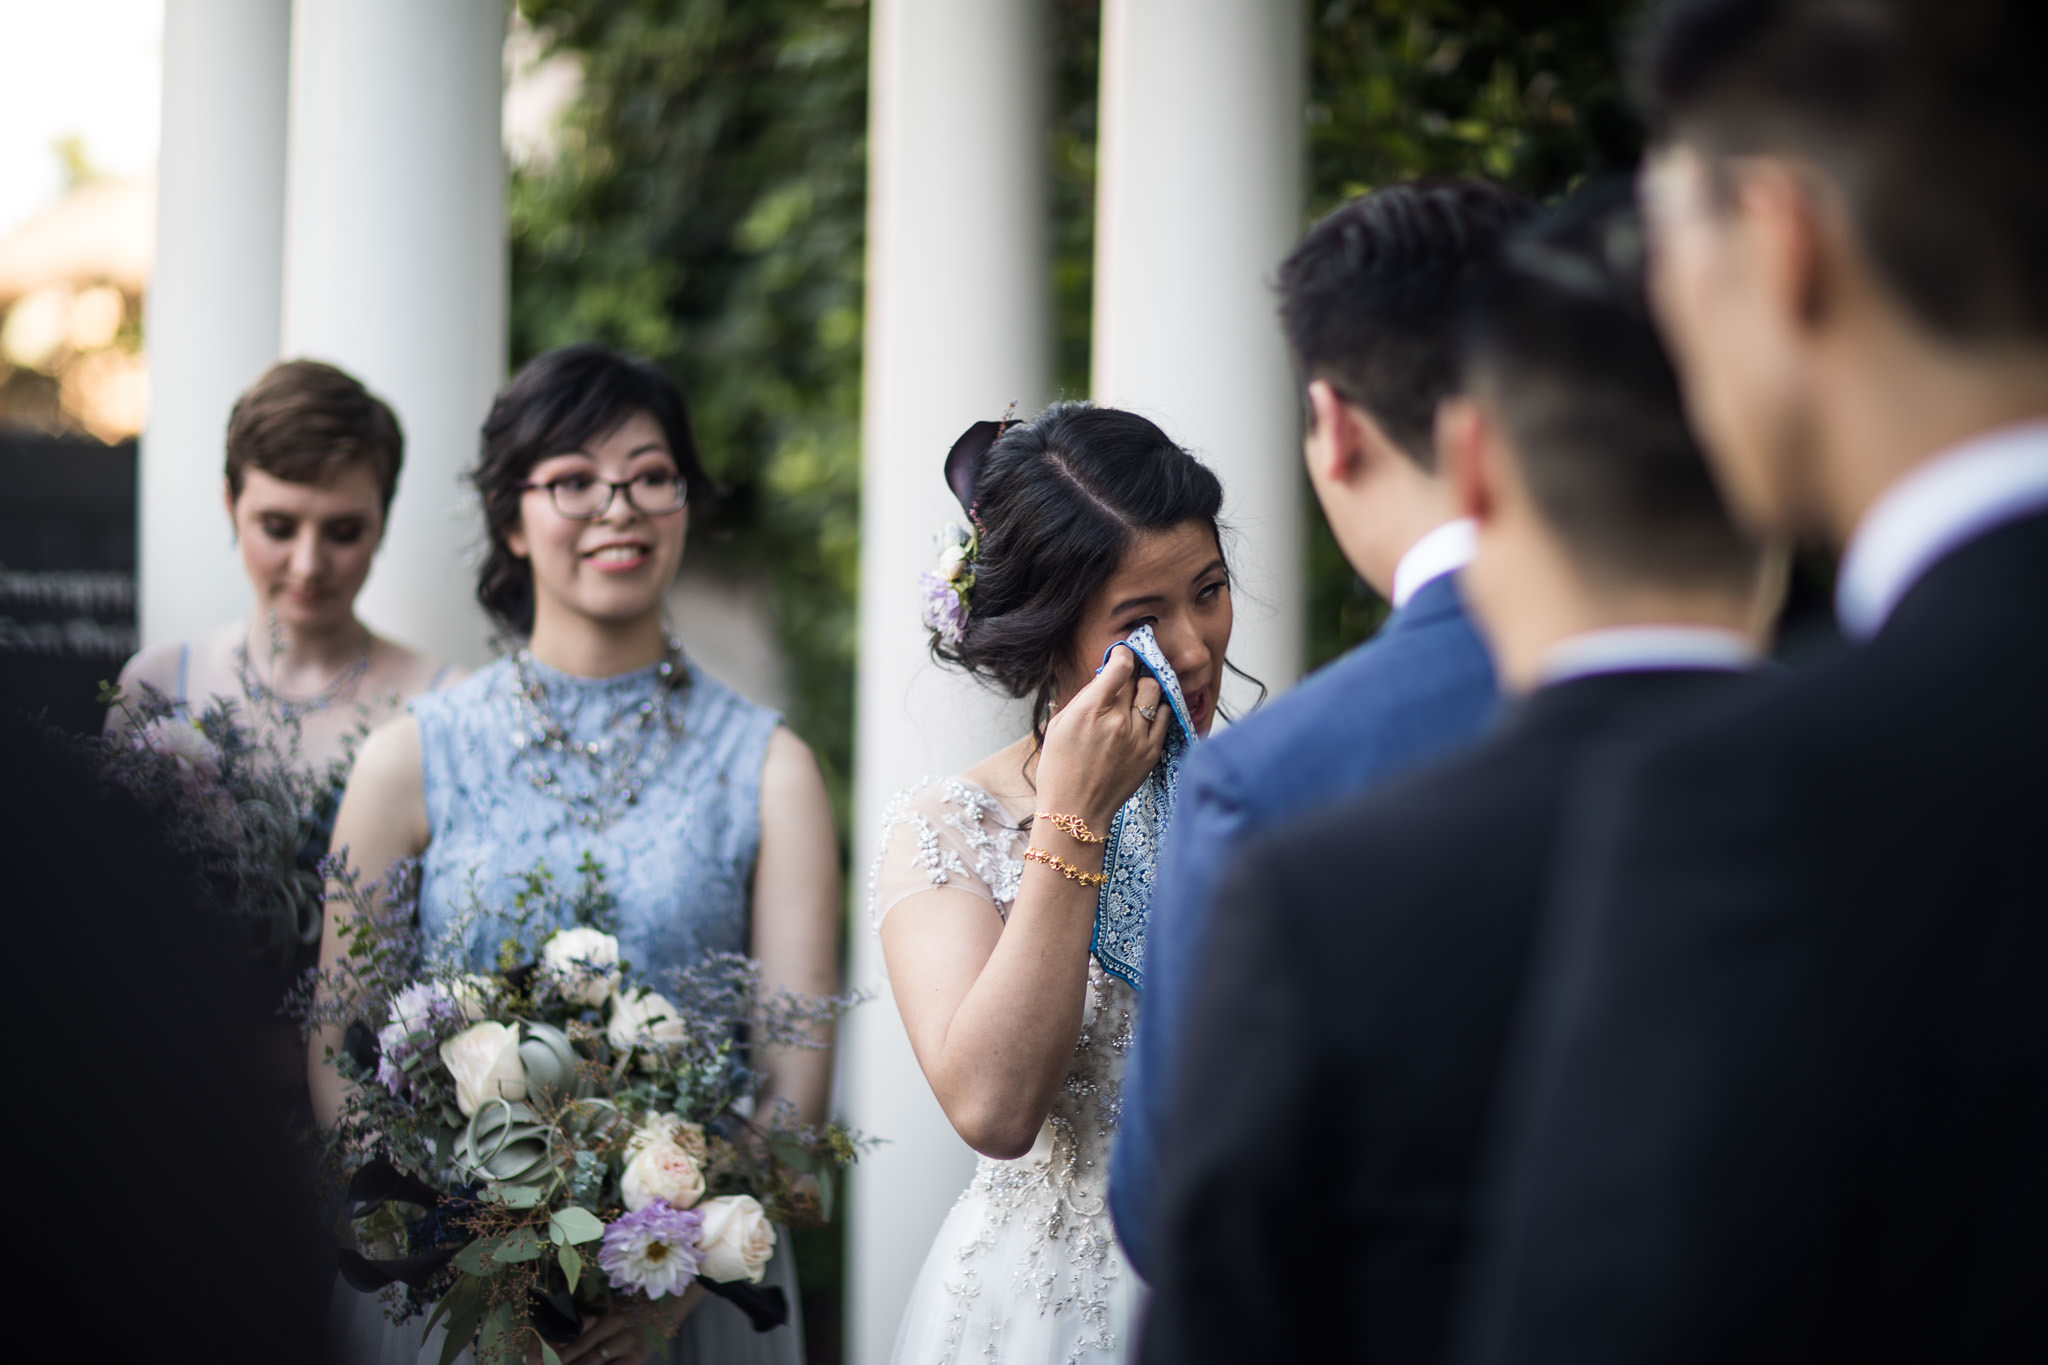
pixel 1419 688
pixel 1786 1071
pixel 1354 1009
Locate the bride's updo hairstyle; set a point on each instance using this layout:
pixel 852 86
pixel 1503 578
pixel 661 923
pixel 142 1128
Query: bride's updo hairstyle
pixel 1057 502
pixel 559 403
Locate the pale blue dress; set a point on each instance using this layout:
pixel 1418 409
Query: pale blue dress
pixel 680 861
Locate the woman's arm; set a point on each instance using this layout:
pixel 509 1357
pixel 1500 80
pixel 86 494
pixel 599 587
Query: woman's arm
pixel 383 819
pixel 796 914
pixel 993 1009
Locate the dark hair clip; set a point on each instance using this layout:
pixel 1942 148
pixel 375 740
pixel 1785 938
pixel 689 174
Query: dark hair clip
pixel 963 461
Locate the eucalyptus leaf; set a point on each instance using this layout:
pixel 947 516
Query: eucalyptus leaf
pixel 470 1260
pixel 520 1245
pixel 461 1330
pixel 825 1184
pixel 548 1356
pixel 497 1333
pixel 579 1225
pixel 572 1265
pixel 518 1196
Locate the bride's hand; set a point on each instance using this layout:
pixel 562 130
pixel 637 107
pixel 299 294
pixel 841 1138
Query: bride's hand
pixel 1099 746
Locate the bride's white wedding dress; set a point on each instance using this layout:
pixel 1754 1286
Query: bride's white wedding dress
pixel 1026 1268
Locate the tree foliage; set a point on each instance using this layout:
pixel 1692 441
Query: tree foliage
pixel 706 210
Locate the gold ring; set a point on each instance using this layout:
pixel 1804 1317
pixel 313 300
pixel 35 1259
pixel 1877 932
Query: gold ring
pixel 1149 711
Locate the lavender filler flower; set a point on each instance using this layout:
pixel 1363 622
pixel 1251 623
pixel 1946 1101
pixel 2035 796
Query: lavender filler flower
pixel 654 1250
pixel 418 1013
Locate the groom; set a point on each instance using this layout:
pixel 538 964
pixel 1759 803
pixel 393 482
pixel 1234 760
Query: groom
pixel 1368 300
pixel 1361 994
pixel 1787 1088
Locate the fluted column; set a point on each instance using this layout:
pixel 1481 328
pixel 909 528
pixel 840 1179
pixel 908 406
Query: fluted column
pixel 1199 197
pixel 958 303
pixel 395 267
pixel 211 325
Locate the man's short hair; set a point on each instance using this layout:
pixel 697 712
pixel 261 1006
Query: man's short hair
pixel 1558 343
pixel 1368 298
pixel 1929 116
pixel 305 422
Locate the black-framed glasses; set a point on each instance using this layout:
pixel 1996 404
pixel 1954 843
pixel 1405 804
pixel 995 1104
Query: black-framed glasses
pixel 654 493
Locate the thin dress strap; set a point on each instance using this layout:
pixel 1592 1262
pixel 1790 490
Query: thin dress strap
pixel 434 683
pixel 184 666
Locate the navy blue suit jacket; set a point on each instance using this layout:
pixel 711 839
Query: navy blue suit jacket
pixel 1422 686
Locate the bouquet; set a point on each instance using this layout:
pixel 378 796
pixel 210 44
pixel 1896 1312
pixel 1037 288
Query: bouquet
pixel 252 818
pixel 557 1137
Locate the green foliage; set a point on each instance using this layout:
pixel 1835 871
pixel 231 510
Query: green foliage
pixel 1527 92
pixel 707 212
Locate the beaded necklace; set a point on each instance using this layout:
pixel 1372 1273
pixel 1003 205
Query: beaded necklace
pixel 619 763
pixel 285 710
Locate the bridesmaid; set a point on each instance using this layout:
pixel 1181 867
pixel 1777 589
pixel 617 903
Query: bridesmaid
pixel 710 818
pixel 312 464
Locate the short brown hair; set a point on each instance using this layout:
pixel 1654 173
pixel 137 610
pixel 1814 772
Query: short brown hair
pixel 304 422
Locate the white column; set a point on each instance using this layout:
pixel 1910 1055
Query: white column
pixel 211 325
pixel 395 267
pixel 1199 197
pixel 958 305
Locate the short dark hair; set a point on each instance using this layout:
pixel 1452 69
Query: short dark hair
pixel 304 422
pixel 1557 340
pixel 556 403
pixel 1368 298
pixel 1929 117
pixel 1057 502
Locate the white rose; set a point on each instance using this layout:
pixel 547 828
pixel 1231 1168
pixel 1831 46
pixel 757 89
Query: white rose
pixel 180 741
pixel 584 965
pixel 737 1239
pixel 474 996
pixel 954 534
pixel 952 563
pixel 643 1018
pixel 661 1170
pixel 484 1060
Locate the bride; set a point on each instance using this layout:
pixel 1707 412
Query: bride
pixel 1089 524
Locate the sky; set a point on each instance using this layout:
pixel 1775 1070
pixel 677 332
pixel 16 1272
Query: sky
pixel 90 68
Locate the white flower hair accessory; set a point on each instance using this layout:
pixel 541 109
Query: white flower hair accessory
pixel 947 585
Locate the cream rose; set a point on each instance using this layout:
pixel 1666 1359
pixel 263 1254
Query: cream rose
pixel 667 1128
pixel 737 1240
pixel 643 1018
pixel 661 1171
pixel 484 1060
pixel 953 563
pixel 583 964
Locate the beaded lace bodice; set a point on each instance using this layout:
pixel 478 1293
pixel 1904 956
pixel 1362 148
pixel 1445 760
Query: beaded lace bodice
pixel 951 833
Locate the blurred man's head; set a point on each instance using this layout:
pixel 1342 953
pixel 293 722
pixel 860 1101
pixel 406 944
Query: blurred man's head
pixel 1840 191
pixel 1368 300
pixel 1570 449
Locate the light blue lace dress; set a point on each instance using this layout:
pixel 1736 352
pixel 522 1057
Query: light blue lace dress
pixel 679 858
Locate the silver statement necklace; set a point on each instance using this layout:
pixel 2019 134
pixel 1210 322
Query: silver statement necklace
pixel 288 710
pixel 636 738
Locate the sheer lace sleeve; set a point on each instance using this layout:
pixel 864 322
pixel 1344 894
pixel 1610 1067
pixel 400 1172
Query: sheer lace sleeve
pixel 946 833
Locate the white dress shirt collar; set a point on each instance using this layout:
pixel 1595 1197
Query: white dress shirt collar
pixel 1639 649
pixel 1447 549
pixel 1947 502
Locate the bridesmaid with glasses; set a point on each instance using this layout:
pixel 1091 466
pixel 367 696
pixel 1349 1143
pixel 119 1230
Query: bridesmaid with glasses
pixel 597 736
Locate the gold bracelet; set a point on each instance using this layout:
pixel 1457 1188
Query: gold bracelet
pixel 1073 826
pixel 1034 854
